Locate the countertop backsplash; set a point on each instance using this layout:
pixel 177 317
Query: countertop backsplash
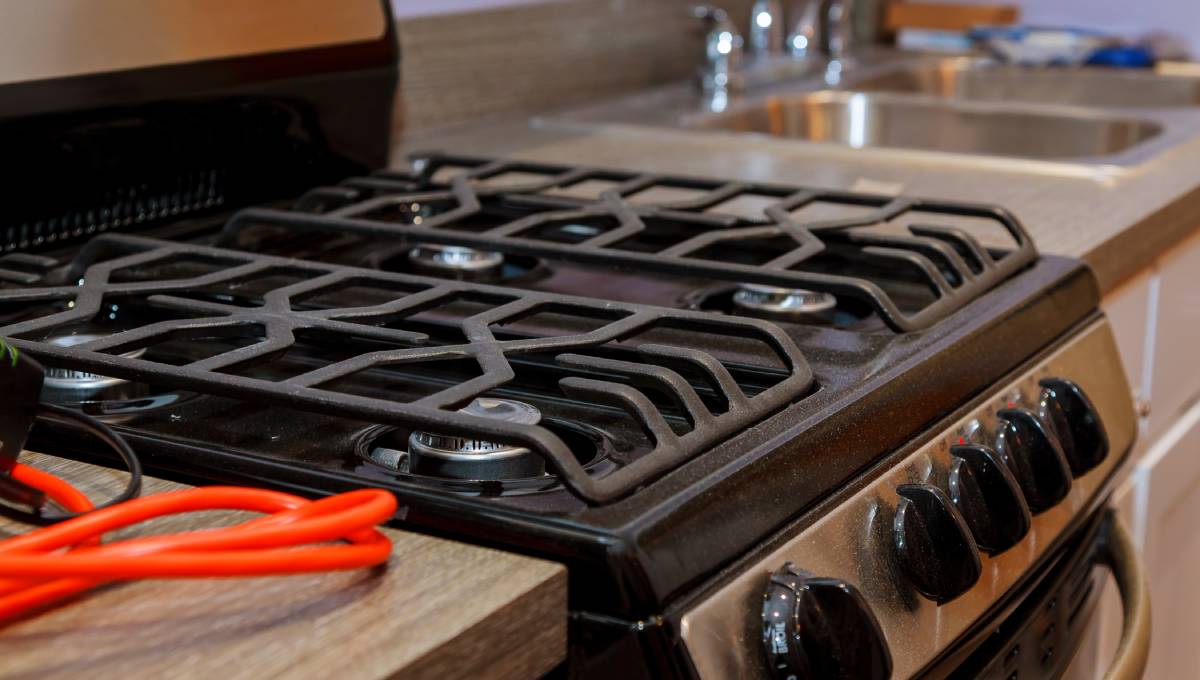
pixel 527 58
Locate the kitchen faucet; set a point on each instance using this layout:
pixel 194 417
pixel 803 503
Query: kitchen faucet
pixel 824 28
pixel 722 51
pixel 766 28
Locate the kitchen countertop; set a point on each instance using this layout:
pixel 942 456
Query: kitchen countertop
pixel 1116 218
pixel 440 609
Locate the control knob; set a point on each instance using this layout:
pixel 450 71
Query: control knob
pixel 1076 423
pixel 1032 451
pixel 933 544
pixel 821 628
pixel 987 494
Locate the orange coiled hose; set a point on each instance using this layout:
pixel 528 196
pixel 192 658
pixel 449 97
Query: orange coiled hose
pixel 35 571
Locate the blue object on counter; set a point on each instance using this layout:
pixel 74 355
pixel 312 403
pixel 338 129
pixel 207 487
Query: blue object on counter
pixel 1038 45
pixel 1122 56
pixel 1018 32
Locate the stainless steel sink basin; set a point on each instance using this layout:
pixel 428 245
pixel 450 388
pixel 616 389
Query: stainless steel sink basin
pixel 863 120
pixel 969 106
pixel 979 80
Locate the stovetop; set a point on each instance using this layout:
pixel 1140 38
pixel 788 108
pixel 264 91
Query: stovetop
pixel 624 371
pixel 899 261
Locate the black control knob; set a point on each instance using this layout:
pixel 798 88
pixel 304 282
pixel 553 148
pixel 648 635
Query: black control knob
pixel 933 544
pixel 988 497
pixel 821 628
pixel 1076 423
pixel 1035 457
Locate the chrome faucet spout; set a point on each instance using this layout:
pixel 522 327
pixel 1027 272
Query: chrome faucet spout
pixel 766 29
pixel 722 50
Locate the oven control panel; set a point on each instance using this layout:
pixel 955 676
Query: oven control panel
pixel 884 583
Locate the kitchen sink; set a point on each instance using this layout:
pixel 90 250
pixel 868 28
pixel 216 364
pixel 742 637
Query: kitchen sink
pixel 969 106
pixel 863 120
pixel 984 81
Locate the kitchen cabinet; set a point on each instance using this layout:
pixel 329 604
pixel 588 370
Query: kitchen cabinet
pixel 1175 310
pixel 1131 312
pixel 1166 508
pixel 1160 502
pixel 1128 309
pixel 1156 321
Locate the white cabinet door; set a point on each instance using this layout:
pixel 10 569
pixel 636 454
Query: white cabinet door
pixel 1166 524
pixel 1175 381
pixel 1129 312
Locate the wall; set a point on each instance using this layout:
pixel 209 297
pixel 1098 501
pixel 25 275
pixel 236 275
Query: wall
pixel 1128 18
pixel 531 57
pixel 526 56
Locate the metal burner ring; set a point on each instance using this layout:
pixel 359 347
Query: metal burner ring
pixel 471 458
pixel 785 301
pixel 455 258
pixel 74 380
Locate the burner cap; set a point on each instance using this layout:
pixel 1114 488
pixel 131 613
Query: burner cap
pixel 468 458
pixel 459 259
pixel 78 381
pixel 782 301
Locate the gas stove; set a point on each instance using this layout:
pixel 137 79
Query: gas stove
pixel 772 430
pixel 647 390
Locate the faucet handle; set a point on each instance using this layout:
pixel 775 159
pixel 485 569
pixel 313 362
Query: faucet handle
pixel 822 27
pixel 722 43
pixel 709 12
pixel 807 32
pixel 841 28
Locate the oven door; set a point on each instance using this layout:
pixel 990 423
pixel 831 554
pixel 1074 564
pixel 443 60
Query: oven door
pixel 1038 635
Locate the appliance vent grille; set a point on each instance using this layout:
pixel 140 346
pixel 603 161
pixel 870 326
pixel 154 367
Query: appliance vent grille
pixel 178 197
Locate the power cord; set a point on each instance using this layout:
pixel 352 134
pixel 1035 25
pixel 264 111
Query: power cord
pixel 98 429
pixel 67 556
pixel 35 571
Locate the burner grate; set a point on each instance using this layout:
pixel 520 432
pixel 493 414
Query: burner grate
pixel 127 271
pixel 947 265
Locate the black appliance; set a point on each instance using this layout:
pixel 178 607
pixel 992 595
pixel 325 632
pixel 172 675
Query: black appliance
pixel 871 445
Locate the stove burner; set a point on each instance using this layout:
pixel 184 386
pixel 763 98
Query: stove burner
pixel 465 458
pixel 386 348
pixel 910 275
pixel 788 302
pixel 458 260
pixel 70 384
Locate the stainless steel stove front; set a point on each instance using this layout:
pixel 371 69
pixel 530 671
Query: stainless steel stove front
pixel 855 542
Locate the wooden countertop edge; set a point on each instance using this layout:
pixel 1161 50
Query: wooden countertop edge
pixel 1136 247
pixel 539 643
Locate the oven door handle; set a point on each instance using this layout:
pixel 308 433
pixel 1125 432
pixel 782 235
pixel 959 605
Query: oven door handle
pixel 1120 554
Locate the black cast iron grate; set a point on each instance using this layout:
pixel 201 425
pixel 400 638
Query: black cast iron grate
pixel 948 262
pixel 127 271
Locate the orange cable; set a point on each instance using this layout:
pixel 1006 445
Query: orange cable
pixel 35 571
